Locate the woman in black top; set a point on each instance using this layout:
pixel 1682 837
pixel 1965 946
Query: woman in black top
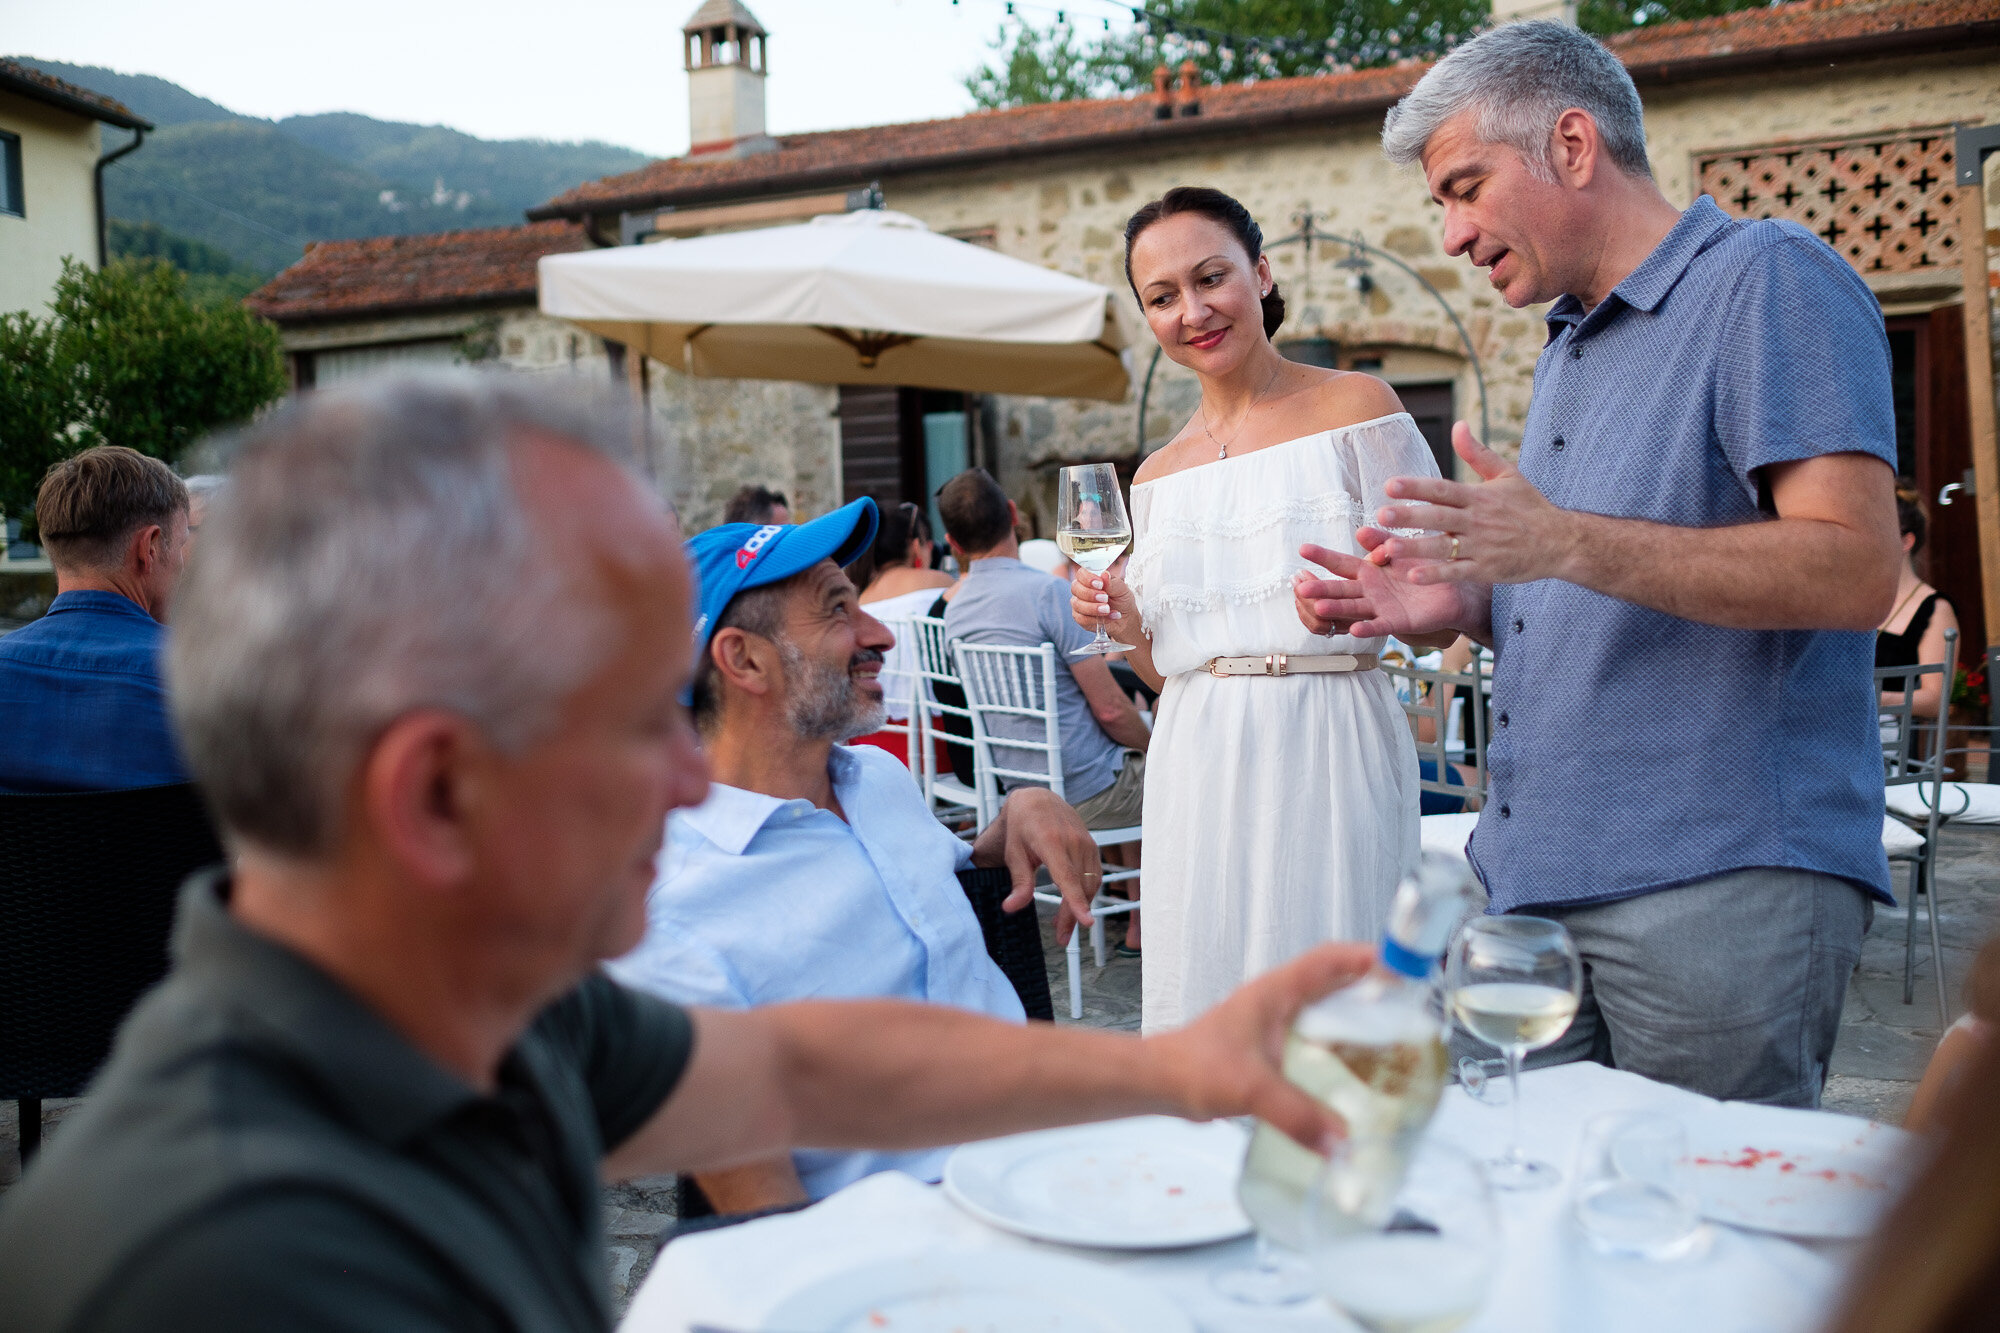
pixel 1914 631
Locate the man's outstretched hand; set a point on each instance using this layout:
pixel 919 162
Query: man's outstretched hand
pixel 1500 530
pixel 1368 599
pixel 1229 1061
pixel 1037 828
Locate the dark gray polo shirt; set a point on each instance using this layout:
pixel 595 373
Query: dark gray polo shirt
pixel 263 1152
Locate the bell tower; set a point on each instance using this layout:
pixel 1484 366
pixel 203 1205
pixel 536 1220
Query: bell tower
pixel 726 55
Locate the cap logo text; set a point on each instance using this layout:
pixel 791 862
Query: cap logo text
pixel 758 540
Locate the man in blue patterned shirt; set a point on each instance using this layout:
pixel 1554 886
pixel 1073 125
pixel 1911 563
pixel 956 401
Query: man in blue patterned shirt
pixel 1679 580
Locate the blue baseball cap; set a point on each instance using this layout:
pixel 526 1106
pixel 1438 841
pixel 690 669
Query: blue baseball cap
pixel 736 557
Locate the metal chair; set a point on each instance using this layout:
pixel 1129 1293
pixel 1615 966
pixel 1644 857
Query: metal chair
pixel 1429 693
pixel 1914 755
pixel 1004 681
pixel 905 686
pixel 88 885
pixel 937 708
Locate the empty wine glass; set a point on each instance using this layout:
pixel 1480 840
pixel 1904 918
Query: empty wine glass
pixel 1092 530
pixel 1514 983
pixel 1424 1265
pixel 1634 1195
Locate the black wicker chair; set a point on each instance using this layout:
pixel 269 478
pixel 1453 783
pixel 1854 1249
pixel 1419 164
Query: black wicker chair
pixel 88 882
pixel 1013 940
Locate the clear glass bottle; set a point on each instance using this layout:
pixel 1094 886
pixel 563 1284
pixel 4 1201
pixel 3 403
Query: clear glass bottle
pixel 1374 1051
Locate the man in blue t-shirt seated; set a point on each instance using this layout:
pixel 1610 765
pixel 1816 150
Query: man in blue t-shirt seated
pixel 815 870
pixel 80 688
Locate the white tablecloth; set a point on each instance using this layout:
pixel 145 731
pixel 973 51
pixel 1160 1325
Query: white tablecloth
pixel 1548 1280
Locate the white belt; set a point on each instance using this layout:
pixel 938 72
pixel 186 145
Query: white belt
pixel 1281 664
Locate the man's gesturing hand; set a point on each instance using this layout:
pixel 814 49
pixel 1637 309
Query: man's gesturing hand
pixel 1367 600
pixel 1506 531
pixel 1229 1061
pixel 1038 828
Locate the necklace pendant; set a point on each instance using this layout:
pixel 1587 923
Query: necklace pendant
pixel 1222 451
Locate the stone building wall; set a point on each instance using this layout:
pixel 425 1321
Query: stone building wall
pixel 711 436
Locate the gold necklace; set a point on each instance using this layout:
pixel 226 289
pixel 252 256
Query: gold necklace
pixel 1221 449
pixel 1899 607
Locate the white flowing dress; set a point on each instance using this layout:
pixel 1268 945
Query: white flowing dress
pixel 1279 811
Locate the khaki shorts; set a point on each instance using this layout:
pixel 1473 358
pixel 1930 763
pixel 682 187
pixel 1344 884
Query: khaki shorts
pixel 1120 804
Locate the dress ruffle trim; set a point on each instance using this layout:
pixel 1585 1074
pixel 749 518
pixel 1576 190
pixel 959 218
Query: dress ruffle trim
pixel 1214 596
pixel 1315 509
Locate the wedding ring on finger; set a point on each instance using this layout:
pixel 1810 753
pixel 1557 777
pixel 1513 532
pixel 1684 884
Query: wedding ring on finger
pixel 1454 546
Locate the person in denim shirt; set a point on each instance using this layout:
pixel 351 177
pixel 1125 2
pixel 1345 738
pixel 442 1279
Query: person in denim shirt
pixel 80 688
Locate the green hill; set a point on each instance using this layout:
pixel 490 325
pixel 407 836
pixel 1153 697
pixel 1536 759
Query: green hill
pixel 260 190
pixel 151 96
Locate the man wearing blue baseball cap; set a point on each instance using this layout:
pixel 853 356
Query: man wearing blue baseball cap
pixel 815 869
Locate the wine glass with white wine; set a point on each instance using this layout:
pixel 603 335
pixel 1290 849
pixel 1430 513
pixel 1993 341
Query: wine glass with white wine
pixel 1092 530
pixel 1514 983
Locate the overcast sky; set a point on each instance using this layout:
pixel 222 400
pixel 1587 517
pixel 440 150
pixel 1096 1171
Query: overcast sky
pixel 551 69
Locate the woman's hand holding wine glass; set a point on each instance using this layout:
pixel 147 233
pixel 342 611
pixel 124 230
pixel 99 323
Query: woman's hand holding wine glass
pixel 1105 602
pixel 1093 531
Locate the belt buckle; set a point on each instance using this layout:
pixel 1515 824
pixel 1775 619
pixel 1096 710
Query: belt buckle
pixel 1214 667
pixel 1274 664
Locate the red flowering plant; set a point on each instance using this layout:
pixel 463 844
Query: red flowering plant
pixel 1970 690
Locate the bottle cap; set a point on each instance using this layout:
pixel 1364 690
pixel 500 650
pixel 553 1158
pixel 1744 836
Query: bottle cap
pixel 1398 959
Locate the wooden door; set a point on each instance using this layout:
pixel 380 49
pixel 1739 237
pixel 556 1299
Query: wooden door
pixel 1934 442
pixel 1431 406
pixel 881 444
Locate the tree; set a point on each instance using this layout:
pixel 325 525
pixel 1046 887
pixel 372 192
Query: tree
pixel 1040 65
pixel 125 358
pixel 1247 40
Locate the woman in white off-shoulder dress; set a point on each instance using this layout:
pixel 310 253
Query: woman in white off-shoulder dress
pixel 1279 811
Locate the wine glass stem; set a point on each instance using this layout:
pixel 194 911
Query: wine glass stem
pixel 1514 1097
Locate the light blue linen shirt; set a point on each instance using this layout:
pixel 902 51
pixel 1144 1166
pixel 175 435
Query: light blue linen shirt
pixel 761 900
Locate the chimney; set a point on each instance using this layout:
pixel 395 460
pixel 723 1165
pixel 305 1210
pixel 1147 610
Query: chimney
pixel 726 65
pixel 1190 89
pixel 1163 97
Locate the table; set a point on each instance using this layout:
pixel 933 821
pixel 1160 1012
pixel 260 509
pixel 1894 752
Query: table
pixel 1548 1279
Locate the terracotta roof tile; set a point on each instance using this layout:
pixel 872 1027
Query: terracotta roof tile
pixel 24 81
pixel 386 275
pixel 1804 30
pixel 1755 38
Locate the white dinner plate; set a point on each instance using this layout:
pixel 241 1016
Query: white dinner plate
pixel 1796 1173
pixel 1148 1183
pixel 978 1291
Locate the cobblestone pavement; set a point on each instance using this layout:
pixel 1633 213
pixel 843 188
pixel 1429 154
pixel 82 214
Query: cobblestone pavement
pixel 1883 1045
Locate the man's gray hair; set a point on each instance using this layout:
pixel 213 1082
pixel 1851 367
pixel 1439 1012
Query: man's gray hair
pixel 375 558
pixel 1519 78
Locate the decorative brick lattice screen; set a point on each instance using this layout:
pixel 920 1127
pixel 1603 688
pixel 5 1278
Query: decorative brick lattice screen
pixel 1888 205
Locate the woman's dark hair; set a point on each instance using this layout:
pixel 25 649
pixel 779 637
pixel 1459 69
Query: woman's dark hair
pixel 1911 516
pixel 1217 207
pixel 899 527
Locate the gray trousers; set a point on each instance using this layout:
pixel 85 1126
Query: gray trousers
pixel 1730 986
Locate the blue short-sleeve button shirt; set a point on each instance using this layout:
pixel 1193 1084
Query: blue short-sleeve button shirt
pixel 1643 751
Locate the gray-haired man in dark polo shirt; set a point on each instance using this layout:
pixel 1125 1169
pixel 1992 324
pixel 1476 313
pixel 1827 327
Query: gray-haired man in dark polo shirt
pixel 427 669
pixel 1679 580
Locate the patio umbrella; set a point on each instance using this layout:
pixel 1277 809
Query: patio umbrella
pixel 870 297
